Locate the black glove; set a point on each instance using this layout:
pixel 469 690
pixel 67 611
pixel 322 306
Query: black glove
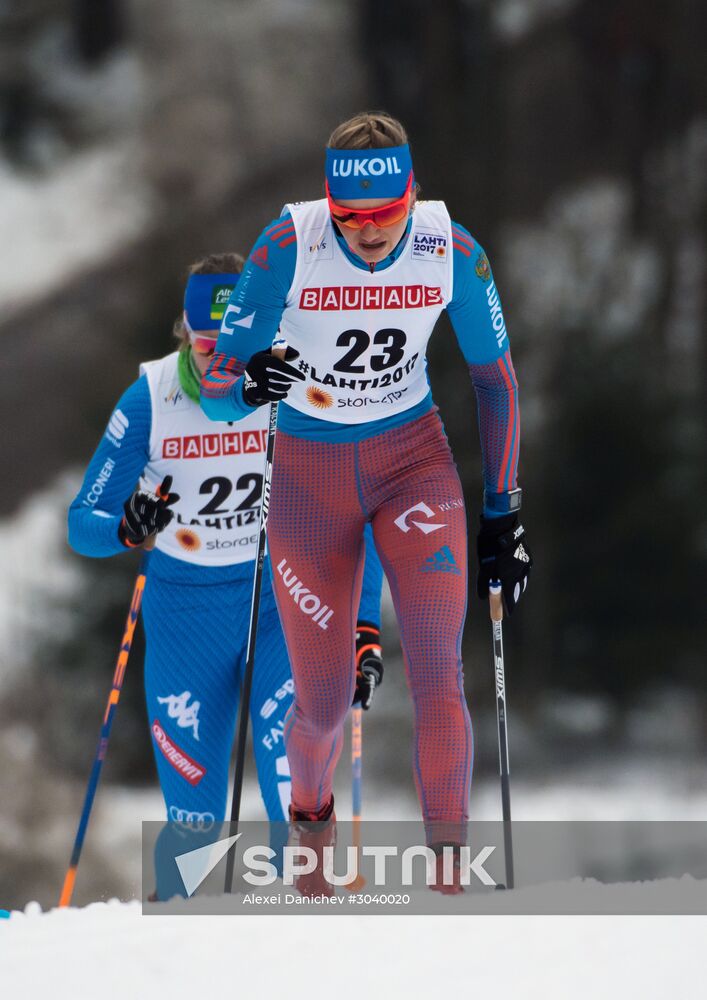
pixel 369 665
pixel 267 379
pixel 503 555
pixel 146 514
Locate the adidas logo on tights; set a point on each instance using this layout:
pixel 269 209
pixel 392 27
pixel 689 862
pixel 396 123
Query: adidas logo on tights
pixel 441 562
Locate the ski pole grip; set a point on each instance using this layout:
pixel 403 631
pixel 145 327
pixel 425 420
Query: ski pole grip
pixel 279 348
pixel 149 543
pixel 496 602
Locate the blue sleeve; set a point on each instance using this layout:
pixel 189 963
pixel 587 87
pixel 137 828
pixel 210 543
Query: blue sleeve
pixel 112 475
pixel 251 320
pixel 477 318
pixel 369 609
pixel 475 307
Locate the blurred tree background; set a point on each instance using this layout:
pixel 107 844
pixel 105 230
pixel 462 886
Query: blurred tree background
pixel 569 136
pixel 571 139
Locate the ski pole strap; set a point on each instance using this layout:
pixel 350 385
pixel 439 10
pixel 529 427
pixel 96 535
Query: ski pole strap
pixel 495 601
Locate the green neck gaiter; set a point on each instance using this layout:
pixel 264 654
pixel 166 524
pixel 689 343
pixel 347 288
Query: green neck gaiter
pixel 189 375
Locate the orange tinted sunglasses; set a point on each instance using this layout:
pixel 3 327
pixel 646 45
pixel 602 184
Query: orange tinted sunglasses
pixel 386 215
pixel 204 345
pixel 200 344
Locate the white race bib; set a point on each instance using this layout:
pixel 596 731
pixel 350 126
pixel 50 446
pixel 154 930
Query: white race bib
pixel 216 468
pixel 362 337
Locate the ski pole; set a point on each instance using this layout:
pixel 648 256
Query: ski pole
pixel 356 788
pixel 111 706
pixel 496 609
pixel 279 348
pixel 356 761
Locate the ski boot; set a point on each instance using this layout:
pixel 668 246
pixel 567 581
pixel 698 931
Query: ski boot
pixel 316 830
pixel 449 882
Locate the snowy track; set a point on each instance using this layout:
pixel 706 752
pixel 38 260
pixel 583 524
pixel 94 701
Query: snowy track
pixel 110 951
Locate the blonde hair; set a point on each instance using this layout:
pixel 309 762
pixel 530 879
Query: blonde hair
pixel 368 130
pixel 213 263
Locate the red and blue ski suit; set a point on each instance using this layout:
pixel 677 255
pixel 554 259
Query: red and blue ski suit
pixel 396 472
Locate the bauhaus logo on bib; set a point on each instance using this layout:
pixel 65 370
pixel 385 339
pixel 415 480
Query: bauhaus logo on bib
pixel 371 297
pixel 214 445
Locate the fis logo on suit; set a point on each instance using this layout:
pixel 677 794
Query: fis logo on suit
pixel 173 398
pixel 178 708
pixel 318 244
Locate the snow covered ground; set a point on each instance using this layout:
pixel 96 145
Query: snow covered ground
pixel 110 951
